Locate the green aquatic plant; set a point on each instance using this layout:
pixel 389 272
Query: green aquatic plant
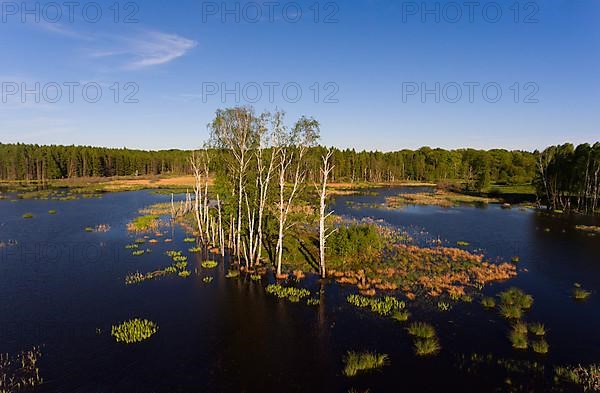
pixel 180 259
pixel 143 224
pixel 180 265
pixel 207 280
pixel 466 298
pixel 444 306
pixel 140 241
pixel 516 259
pixel 521 328
pixel 232 274
pixel 209 264
pixel 313 302
pixel 358 362
pixel 173 254
pixel 511 311
pixel 131 246
pixel 518 339
pixel 401 316
pixel 27 216
pixel 294 295
pixel 89 229
pixel 463 244
pixel 384 307
pixel 427 347
pixel 134 331
pixel 255 277
pixel 516 297
pixel 138 253
pixel 540 346
pixel 195 250
pixel 189 240
pixel 537 329
pixel 52 212
pixel 421 330
pixel 184 273
pixel 488 302
pixel 580 293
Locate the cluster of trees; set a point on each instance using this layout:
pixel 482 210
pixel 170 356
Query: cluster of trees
pixel 568 178
pixel 262 174
pixel 475 167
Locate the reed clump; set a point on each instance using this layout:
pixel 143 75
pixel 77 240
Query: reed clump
pixel 359 362
pixel 134 331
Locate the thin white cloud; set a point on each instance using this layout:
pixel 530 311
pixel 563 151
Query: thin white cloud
pixel 142 49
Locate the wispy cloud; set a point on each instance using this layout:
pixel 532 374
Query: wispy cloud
pixel 145 48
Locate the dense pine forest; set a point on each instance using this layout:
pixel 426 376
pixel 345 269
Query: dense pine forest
pixel 33 162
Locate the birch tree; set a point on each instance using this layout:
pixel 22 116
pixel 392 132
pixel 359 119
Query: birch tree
pixel 326 169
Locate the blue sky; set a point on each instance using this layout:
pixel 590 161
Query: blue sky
pixel 362 63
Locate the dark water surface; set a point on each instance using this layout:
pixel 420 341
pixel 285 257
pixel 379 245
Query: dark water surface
pixel 62 288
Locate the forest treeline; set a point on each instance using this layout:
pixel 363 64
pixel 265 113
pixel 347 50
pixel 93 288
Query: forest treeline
pixel 475 167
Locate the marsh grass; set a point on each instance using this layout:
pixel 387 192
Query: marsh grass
pixel 520 328
pixel 581 294
pixel 537 329
pixel 518 340
pixel 313 302
pixel 401 316
pixel 421 330
pixel 384 307
pixel 294 295
pixel 585 377
pixel 511 311
pixel 20 373
pixel 516 297
pixel 427 347
pixel 134 331
pixel 356 362
pixel 143 224
pixel 488 302
pixel 540 346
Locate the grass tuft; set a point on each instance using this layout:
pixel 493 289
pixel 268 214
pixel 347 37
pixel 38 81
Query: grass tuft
pixel 427 347
pixel 421 330
pixel 356 362
pixel 540 346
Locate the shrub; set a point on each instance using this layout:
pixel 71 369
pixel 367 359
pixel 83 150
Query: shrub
pixel 134 331
pixel 356 241
pixel 360 362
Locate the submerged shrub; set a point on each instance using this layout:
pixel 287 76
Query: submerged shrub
pixel 356 362
pixel 427 347
pixel 421 330
pixel 134 331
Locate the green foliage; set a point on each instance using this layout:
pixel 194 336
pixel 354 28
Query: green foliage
pixel 143 223
pixel 313 302
pixel 421 330
pixel 189 240
pixel 195 250
pixel 184 273
pixel 516 297
pixel 384 307
pixel 294 295
pixel 401 316
pixel 232 274
pixel 134 331
pixel 52 212
pixel 356 362
pixel 138 253
pixel 207 280
pixel 27 216
pixel 511 311
pixel 355 241
pixel 463 244
pixel 209 264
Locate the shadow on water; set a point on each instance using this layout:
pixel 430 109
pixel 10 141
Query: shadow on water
pixel 62 288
